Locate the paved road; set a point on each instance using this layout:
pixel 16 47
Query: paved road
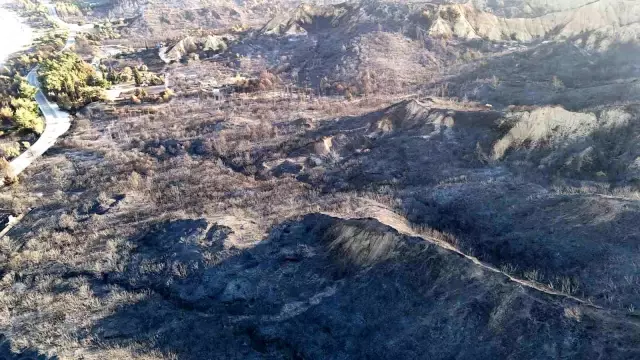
pixel 57 122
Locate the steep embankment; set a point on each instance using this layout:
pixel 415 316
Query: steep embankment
pixel 526 8
pixel 496 181
pixel 159 20
pixel 191 44
pixel 309 18
pixel 604 16
pixel 580 145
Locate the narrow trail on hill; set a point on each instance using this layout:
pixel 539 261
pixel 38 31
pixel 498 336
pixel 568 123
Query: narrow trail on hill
pixel 401 225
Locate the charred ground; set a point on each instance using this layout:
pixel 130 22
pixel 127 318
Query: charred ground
pixel 369 180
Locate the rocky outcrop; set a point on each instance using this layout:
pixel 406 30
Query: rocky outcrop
pixel 307 18
pixel 583 145
pixel 192 44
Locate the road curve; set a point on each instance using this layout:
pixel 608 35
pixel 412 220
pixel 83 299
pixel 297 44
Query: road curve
pixel 56 121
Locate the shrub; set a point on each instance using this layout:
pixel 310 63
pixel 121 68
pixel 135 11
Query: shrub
pixel 154 79
pixel 26 91
pixel 26 104
pixel 4 166
pixel 6 112
pixel 29 120
pixel 141 93
pixel 348 95
pixel 557 83
pixel 126 74
pixel 137 77
pixel 10 150
pixel 167 94
pixel 6 174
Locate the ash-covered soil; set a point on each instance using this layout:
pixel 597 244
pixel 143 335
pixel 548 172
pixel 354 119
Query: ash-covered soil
pixel 372 179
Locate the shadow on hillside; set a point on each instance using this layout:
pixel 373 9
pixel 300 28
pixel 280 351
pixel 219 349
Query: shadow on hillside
pixel 418 153
pixel 554 73
pixel 199 310
pixel 505 212
pixel 370 294
pixel 587 239
pixel 6 353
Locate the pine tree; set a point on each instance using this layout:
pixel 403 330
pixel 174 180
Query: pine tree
pixel 137 77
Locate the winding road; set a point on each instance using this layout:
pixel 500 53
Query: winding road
pixel 56 121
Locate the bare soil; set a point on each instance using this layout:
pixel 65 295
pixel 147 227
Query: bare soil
pixel 355 189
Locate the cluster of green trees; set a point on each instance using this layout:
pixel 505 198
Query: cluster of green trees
pixel 37 14
pixel 17 104
pixel 140 95
pixel 44 47
pixel 70 81
pixel 68 8
pixel 107 30
pixel 18 107
pixel 140 75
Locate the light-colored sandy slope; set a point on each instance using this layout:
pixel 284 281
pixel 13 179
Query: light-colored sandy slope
pixel 191 44
pixel 10 23
pixel 465 21
pixel 526 8
pixel 544 125
pixel 583 145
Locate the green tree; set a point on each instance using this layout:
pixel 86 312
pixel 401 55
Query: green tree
pixel 126 74
pixel 6 113
pixel 70 81
pixel 113 77
pixel 137 77
pixel 28 120
pixel 26 91
pixel 27 104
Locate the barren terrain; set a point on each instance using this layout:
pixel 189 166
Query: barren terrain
pixel 375 179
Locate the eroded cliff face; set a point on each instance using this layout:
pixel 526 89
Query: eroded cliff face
pixel 527 8
pixel 126 8
pixel 466 21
